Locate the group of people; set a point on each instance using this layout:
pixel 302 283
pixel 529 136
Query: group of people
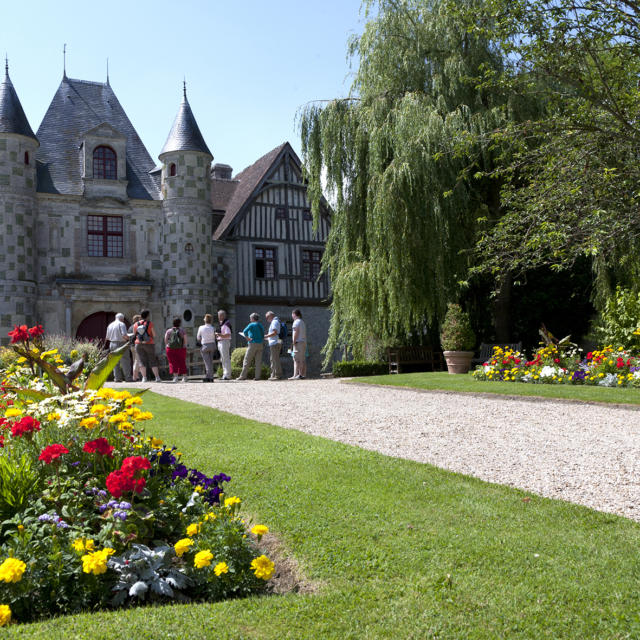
pixel 215 344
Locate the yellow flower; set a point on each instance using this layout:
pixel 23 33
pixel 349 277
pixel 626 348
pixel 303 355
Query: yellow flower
pixel 20 528
pixel 125 426
pixel 78 544
pixel 100 409
pixel 12 413
pixel 143 415
pixel 84 544
pixel 210 516
pixel 259 530
pixel 262 567
pixel 230 502
pixel 21 359
pixel 51 352
pixel 73 354
pixel 11 570
pixel 88 423
pixel 156 443
pixel 134 400
pixel 202 559
pixel 96 561
pixel 106 393
pixel 182 545
pixel 54 415
pixel 193 529
pixel 5 615
pixel 121 395
pixel 220 568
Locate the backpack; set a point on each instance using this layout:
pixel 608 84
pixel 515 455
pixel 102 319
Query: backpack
pixel 141 332
pixel 284 332
pixel 175 339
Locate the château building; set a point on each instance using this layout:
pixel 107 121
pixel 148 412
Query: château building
pixel 92 226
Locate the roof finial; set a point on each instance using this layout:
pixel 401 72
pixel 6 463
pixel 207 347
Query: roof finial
pixel 64 60
pixel 6 65
pixel 107 70
pixel 184 87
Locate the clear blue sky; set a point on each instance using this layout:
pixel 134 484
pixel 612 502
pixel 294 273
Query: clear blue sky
pixel 249 65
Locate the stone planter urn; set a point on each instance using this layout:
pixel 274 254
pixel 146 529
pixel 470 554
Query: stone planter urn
pixel 458 361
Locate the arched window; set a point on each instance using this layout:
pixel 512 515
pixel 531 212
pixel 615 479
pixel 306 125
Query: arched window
pixel 172 169
pixel 26 157
pixel 105 165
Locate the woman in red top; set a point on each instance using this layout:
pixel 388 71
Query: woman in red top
pixel 175 340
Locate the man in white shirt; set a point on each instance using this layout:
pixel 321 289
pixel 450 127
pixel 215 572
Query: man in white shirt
pixel 224 344
pixel 117 336
pixel 275 345
pixel 299 344
pixel 206 336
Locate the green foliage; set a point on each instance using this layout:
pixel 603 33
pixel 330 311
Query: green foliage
pixel 71 349
pixel 456 333
pixel 350 368
pixel 237 357
pixel 19 479
pixel 404 158
pixel 620 320
pixel 101 371
pixel 7 356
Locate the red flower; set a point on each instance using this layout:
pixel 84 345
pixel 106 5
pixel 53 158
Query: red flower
pixel 619 363
pixel 134 464
pixel 556 360
pixel 24 426
pixel 36 331
pixel 52 452
pixel 1 442
pixel 100 445
pixel 19 333
pixel 589 355
pixel 517 360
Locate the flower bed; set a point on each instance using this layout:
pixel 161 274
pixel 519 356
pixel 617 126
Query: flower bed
pixel 95 512
pixel 553 364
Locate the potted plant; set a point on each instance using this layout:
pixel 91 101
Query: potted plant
pixel 457 339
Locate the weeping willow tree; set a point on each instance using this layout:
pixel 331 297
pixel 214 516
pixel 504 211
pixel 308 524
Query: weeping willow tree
pixel 404 159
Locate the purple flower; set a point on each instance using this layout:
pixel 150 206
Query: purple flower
pixel 102 508
pixel 179 472
pixel 122 515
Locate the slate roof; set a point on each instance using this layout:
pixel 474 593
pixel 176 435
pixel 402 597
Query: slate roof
pixel 77 107
pixel 12 118
pixel 185 134
pixel 248 181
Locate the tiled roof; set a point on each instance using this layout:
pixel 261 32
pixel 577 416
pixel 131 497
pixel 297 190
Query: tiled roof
pixel 248 181
pixel 77 107
pixel 12 118
pixel 185 134
pixel 221 193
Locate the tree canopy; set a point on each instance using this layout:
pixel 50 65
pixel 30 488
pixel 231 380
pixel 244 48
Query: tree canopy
pixel 409 158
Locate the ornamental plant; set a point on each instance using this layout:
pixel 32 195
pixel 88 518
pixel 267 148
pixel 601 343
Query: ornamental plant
pixel 94 512
pixel 456 333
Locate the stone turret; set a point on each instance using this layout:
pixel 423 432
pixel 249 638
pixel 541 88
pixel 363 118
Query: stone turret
pixel 187 229
pixel 18 146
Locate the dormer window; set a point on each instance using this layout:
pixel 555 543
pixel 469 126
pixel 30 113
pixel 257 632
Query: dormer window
pixel 172 169
pixel 26 157
pixel 105 163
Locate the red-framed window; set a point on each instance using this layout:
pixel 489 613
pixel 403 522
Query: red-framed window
pixel 105 163
pixel 105 238
pixel 265 261
pixel 311 263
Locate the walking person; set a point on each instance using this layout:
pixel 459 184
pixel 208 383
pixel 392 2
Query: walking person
pixel 224 343
pixel 206 336
pixel 136 372
pixel 254 333
pixel 175 341
pixel 275 345
pixel 299 345
pixel 117 336
pixel 145 345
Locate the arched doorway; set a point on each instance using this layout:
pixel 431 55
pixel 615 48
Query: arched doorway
pixel 94 327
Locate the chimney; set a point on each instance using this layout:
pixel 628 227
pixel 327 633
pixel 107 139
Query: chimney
pixel 221 172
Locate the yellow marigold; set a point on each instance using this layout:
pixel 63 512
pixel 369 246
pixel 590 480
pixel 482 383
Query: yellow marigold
pixel 182 545
pixel 121 395
pixel 133 400
pixel 118 417
pixel 202 559
pixel 5 615
pixel 96 561
pixel 54 415
pixel 210 516
pixel 78 544
pixel 99 408
pixel 230 502
pixel 11 570
pixel 88 423
pixel 125 426
pixel 105 392
pixel 220 568
pixel 259 530
pixel 193 529
pixel 156 443
pixel 12 413
pixel 262 567
pixel 143 415
pixel 51 352
pixel 84 544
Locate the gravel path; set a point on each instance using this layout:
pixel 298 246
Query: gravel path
pixel 582 453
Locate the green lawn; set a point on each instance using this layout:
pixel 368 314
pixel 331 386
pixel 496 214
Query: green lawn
pixel 440 381
pixel 400 549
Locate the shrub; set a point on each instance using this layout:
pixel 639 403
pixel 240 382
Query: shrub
pixel 352 368
pixel 620 320
pixel 70 349
pixel 237 357
pixel 456 333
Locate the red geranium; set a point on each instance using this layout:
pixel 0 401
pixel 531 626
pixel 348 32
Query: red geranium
pixel 36 331
pixel 1 442
pixel 127 478
pixel 100 445
pixel 52 452
pixel 118 482
pixel 19 333
pixel 134 464
pixel 24 426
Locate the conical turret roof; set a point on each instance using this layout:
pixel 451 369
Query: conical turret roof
pixel 185 134
pixel 12 118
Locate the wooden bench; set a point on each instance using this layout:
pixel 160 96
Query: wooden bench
pixel 398 357
pixel 486 350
